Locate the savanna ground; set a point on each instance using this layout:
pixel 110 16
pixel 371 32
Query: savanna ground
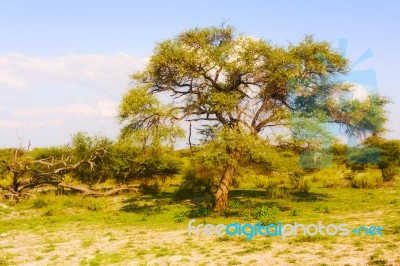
pixel 133 229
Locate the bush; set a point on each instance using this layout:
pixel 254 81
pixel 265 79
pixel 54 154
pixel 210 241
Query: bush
pixel 180 216
pixel 367 180
pixel 247 216
pixel 234 204
pixel 303 185
pixel 329 177
pixel 389 172
pixel 300 182
pixel 192 184
pixel 84 147
pixel 201 211
pixel 296 212
pixel 266 215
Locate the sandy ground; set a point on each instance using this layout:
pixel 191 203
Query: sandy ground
pixel 85 245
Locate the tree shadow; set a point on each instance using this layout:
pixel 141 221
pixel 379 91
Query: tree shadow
pixel 247 193
pixel 247 199
pixel 147 203
pixel 309 197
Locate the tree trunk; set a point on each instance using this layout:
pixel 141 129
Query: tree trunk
pixel 221 195
pixel 15 183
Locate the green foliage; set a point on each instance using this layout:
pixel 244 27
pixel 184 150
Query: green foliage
pixel 261 182
pixel 247 216
pixel 39 203
pixel 155 163
pixel 262 211
pixel 367 180
pixel 234 204
pixel 180 216
pixel 193 184
pixel 300 183
pixel 50 152
pixel 390 158
pixel 389 172
pixel 266 215
pixel 296 212
pixel 147 122
pixel 94 205
pixel 95 169
pixel 322 209
pixel 202 210
pixel 340 153
pixel 236 86
pixel 277 192
pixel 304 185
pixel 383 153
pixel 329 177
pixel 129 162
pixel 121 156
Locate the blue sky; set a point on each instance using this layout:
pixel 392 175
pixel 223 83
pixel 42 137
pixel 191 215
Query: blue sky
pixel 65 64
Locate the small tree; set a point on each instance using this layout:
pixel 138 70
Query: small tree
pixel 388 155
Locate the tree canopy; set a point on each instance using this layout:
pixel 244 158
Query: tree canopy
pixel 244 86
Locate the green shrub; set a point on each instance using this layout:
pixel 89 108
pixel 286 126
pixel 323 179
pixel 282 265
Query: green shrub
pixel 322 209
pixel 304 185
pixel 270 219
pixel 266 215
pixel 389 173
pixel 300 182
pixel 202 210
pixel 234 204
pixel 247 216
pixel 296 212
pixel 193 184
pixel 329 177
pixel 367 180
pixel 180 216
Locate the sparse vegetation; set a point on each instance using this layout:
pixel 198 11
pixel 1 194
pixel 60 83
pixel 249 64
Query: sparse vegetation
pixel 98 201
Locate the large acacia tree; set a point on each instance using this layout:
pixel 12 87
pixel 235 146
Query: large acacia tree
pixel 244 85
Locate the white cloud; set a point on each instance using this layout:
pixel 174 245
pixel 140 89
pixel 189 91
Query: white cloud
pixel 103 108
pixel 48 98
pixel 104 73
pixel 10 123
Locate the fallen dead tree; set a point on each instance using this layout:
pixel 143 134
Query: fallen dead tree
pixel 28 174
pixel 44 180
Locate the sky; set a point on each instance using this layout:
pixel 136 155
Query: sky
pixel 64 65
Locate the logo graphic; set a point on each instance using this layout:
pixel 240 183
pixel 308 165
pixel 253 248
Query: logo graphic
pixel 353 101
pixel 283 230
